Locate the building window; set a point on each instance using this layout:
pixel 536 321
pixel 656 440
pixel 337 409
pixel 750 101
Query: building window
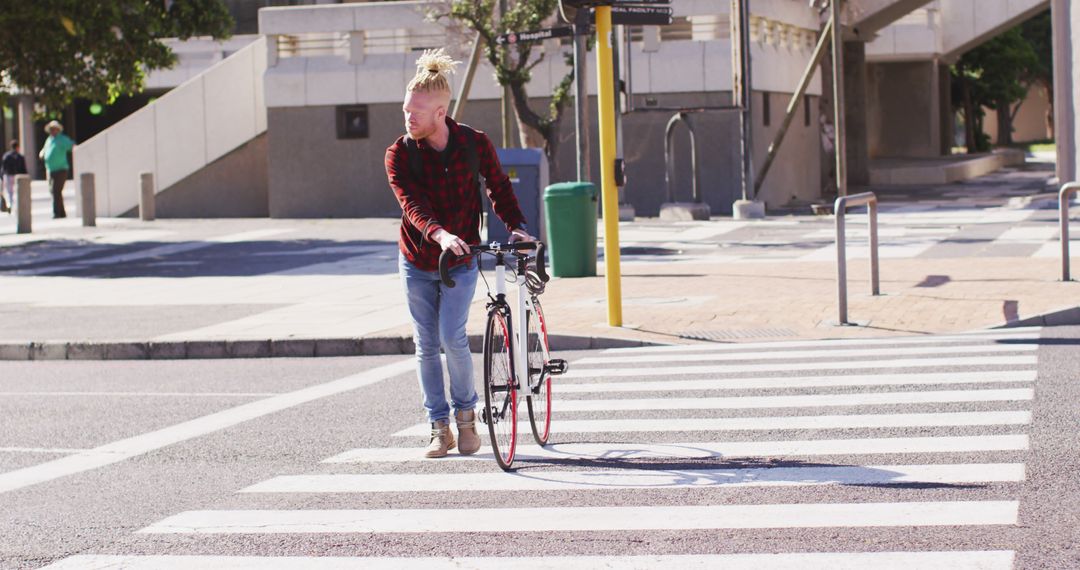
pixel 806 110
pixel 352 122
pixel 766 109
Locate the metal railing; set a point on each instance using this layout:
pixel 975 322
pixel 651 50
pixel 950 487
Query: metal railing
pixel 1063 212
pixel 842 204
pixel 669 156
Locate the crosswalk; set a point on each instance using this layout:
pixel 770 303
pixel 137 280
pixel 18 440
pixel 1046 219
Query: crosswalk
pixel 743 448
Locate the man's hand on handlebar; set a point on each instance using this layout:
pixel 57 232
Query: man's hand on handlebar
pixel 449 241
pixel 520 235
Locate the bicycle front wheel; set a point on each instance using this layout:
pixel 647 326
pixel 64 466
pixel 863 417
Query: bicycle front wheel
pixel 539 400
pixel 500 393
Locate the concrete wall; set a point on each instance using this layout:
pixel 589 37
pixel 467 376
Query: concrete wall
pixel 903 109
pixel 233 186
pixel 312 174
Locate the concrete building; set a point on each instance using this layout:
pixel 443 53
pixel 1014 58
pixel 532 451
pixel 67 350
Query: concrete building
pixel 260 133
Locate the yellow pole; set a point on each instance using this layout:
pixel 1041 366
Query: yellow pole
pixel 606 103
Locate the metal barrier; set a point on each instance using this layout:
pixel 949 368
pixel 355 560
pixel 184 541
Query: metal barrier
pixel 669 158
pixel 1063 213
pixel 842 204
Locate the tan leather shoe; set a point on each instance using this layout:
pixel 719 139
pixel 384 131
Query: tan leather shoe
pixel 442 440
pixel 469 441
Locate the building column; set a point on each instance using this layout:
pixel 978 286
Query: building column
pixel 1066 22
pixel 28 134
pixel 858 146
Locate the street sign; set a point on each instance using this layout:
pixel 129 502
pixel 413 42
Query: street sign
pixel 512 38
pixel 640 15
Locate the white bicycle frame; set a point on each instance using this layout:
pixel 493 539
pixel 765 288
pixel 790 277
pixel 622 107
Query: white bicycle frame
pixel 519 331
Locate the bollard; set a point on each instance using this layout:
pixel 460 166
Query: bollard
pixel 24 202
pixel 87 202
pixel 146 196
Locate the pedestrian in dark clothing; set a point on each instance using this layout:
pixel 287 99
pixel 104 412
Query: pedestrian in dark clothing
pixel 13 163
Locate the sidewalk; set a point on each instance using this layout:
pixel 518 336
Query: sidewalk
pixel 958 257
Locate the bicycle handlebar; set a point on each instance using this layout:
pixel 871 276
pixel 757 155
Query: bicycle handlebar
pixel 541 270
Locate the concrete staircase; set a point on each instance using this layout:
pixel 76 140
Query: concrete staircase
pixel 215 117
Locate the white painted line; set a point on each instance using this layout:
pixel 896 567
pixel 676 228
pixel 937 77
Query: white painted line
pixel 142 394
pixel 792 367
pixel 708 449
pixel 39 450
pixel 808 354
pixel 991 335
pixel 958 560
pixel 134 446
pixel 771 423
pixel 808 515
pixel 795 382
pixel 799 401
pixel 644 479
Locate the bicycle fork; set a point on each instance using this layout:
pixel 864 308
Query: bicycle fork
pixel 520 332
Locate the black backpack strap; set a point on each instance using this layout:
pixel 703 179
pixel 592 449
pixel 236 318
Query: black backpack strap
pixel 416 168
pixel 471 154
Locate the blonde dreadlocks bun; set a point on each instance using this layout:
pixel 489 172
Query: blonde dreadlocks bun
pixel 432 70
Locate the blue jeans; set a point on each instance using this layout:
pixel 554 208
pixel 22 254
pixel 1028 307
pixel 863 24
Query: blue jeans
pixel 439 314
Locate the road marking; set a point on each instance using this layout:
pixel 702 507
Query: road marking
pixel 39 450
pixel 771 423
pixel 141 394
pixel 807 515
pixel 616 452
pixel 789 367
pixel 957 560
pixel 134 446
pixel 993 335
pixel 796 382
pixel 644 479
pixel 804 354
pixel 799 401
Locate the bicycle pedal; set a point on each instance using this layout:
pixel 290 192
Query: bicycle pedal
pixel 556 366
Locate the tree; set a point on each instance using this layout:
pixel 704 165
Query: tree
pixel 994 75
pixel 513 66
pixel 1038 32
pixel 59 50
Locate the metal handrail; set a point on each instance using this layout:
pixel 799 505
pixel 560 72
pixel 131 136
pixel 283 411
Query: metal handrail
pixel 669 157
pixel 842 204
pixel 1063 213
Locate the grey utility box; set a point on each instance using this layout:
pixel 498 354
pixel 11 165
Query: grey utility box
pixel 528 172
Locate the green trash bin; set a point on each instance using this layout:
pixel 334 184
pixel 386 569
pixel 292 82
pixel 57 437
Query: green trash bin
pixel 570 214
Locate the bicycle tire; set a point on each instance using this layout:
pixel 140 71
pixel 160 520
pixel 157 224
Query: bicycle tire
pixel 539 353
pixel 500 393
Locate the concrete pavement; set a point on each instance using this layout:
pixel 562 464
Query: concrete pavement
pixel 958 257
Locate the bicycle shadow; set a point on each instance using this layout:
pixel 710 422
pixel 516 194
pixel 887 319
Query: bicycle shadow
pixel 703 468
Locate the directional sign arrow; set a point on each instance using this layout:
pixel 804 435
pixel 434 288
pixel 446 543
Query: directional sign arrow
pixel 535 36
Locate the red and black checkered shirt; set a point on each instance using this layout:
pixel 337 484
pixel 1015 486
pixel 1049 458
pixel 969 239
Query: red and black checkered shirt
pixel 447 197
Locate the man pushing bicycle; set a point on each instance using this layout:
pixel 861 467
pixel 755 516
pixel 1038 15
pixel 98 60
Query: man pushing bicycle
pixel 433 170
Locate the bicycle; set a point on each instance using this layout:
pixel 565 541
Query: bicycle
pixel 503 355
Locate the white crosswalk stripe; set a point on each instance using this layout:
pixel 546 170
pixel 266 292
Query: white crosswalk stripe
pixel 896 416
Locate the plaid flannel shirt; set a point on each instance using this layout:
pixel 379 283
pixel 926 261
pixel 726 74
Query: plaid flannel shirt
pixel 447 197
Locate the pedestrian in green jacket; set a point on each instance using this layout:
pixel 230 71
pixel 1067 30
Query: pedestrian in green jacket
pixel 55 154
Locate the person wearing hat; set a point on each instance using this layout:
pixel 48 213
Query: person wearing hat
pixel 55 154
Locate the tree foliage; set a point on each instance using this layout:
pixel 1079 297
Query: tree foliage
pixel 998 74
pixel 58 50
pixel 514 65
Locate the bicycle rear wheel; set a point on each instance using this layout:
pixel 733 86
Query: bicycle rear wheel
pixel 500 394
pixel 539 400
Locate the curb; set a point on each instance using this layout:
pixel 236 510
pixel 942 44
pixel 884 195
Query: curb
pixel 267 348
pixel 1061 317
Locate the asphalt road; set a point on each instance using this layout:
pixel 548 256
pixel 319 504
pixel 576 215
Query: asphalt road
pixel 159 458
